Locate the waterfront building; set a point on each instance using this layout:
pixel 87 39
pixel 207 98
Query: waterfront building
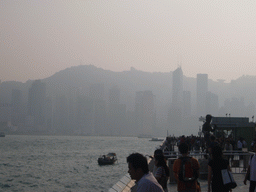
pixel 201 91
pixel 36 102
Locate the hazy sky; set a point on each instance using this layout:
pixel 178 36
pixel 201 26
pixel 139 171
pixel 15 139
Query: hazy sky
pixel 39 38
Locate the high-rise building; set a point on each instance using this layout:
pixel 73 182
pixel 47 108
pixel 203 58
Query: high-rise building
pixel 175 113
pixel 177 87
pixel 36 102
pixel 201 91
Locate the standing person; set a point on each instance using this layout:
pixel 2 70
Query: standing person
pixel 191 171
pixel 138 170
pixel 162 171
pixel 240 144
pixel 251 171
pixel 213 143
pixel 207 128
pixel 157 152
pixel 214 171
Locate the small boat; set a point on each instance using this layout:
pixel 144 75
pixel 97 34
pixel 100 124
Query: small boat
pixel 2 134
pixel 108 159
pixel 156 139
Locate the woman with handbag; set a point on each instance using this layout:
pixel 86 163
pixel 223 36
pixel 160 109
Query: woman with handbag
pixel 215 167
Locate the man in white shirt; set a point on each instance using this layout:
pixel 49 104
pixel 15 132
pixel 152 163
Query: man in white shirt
pixel 251 171
pixel 138 170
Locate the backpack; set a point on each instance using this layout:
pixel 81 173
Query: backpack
pixel 187 172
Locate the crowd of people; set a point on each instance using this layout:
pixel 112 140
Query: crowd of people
pixel 186 168
pixel 196 143
pixel 157 180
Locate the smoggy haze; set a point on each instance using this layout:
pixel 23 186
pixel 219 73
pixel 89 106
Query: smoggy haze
pixel 39 38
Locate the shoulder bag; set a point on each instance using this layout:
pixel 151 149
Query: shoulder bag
pixel 228 179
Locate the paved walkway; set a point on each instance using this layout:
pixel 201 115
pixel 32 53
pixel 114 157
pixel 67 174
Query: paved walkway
pixel 239 178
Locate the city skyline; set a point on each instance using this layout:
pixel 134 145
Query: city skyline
pixel 107 107
pixel 38 39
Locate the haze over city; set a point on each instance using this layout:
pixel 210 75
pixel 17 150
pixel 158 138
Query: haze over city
pixel 40 38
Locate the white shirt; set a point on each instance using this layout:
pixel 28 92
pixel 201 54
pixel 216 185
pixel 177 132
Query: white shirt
pixel 148 183
pixel 252 164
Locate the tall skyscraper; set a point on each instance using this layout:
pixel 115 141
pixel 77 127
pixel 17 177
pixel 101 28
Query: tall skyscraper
pixel 36 102
pixel 201 91
pixel 177 87
pixel 175 113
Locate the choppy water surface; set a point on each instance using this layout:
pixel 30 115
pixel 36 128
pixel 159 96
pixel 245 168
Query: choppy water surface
pixel 64 163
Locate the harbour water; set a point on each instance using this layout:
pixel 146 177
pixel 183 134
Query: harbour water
pixel 65 163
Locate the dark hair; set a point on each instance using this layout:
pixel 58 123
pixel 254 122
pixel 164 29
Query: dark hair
pixel 162 163
pixel 208 118
pixel 137 160
pixel 216 152
pixel 158 152
pixel 183 148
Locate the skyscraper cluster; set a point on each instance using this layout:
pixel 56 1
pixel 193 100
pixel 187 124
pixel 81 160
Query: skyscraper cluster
pixel 95 110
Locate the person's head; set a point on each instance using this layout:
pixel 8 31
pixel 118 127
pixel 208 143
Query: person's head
pixel 208 118
pixel 216 152
pixel 137 166
pixel 158 152
pixel 160 161
pixel 183 148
